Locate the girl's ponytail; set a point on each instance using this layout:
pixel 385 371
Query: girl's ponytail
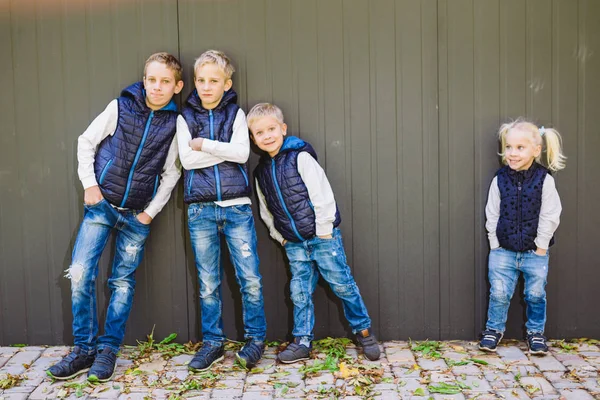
pixel 554 156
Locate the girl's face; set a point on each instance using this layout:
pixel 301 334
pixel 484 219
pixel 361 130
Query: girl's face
pixel 520 151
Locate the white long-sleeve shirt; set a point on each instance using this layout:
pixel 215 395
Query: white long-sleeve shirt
pixel 319 192
pixel 549 213
pixel 215 152
pixel 104 125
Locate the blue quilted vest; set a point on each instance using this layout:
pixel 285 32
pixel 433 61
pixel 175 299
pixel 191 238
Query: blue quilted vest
pixel 520 204
pixel 129 163
pixel 224 181
pixel 285 192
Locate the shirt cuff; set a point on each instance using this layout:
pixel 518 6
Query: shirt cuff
pixel 324 229
pixel 542 242
pixel 151 211
pixel 89 182
pixel 494 243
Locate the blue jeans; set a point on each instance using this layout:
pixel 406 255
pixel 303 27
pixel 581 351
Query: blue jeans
pixel 98 222
pixel 327 257
pixel 206 222
pixel 504 269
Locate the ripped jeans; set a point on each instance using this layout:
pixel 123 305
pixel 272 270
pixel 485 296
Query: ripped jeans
pixel 206 223
pixel 98 222
pixel 326 257
pixel 504 269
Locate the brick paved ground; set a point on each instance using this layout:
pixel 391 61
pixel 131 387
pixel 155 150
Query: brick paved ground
pixel 568 372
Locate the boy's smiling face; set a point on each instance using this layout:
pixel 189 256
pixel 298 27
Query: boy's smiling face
pixel 211 83
pixel 268 134
pixel 160 85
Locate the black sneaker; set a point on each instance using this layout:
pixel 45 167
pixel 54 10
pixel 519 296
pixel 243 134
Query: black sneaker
pixel 537 343
pixel 369 343
pixel 77 362
pixel 104 366
pixel 206 357
pixel 250 354
pixel 294 352
pixel 489 340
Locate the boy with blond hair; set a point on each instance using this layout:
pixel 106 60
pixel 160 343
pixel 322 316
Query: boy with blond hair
pixel 128 167
pixel 214 146
pixel 298 207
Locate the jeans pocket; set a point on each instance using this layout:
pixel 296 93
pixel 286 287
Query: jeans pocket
pixel 194 211
pixel 95 205
pixel 538 255
pixel 242 209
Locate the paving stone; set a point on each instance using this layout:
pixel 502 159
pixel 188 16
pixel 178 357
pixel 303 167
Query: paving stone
pixel 8 351
pixel 591 384
pixel 323 379
pixel 259 387
pixel 475 383
pixel 469 369
pixel 384 387
pixel 399 355
pixel 545 388
pixel 183 359
pixel 290 393
pixel 226 393
pixel 406 373
pixel 459 396
pixel 501 380
pixel 257 396
pixel 14 396
pixel 527 370
pixel 548 363
pixel 480 396
pixel 407 387
pixel 56 351
pixel 437 377
pixel 131 396
pixel 512 353
pixel 576 394
pixel 16 364
pixel 513 394
pixel 386 395
pixel 432 365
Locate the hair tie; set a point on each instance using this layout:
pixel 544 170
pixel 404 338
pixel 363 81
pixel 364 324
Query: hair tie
pixel 542 131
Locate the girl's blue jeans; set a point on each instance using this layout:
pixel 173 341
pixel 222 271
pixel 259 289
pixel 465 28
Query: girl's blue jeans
pixel 505 266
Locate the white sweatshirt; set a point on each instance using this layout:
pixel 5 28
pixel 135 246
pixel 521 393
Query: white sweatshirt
pixel 319 192
pixel 104 125
pixel 549 213
pixel 214 152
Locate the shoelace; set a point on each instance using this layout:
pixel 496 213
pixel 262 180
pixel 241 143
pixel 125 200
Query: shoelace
pixel 204 352
pixel 489 337
pixel 537 340
pixel 252 350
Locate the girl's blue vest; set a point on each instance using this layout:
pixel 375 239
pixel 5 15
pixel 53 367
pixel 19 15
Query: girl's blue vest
pixel 520 204
pixel 224 181
pixel 129 163
pixel 285 192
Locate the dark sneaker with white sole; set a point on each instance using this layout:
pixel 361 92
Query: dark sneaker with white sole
pixel 369 344
pixel 537 344
pixel 75 363
pixel 489 340
pixel 294 352
pixel 104 366
pixel 206 357
pixel 250 354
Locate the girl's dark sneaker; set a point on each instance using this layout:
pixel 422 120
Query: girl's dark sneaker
pixel 294 352
pixel 250 354
pixel 206 357
pixel 77 362
pixel 104 366
pixel 537 343
pixel 489 340
pixel 369 343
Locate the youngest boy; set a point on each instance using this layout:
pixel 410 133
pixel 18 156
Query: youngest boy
pixel 298 206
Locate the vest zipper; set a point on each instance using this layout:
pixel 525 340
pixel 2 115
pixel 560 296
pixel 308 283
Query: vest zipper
pixel 216 167
pixel 519 210
pixel 189 188
pixel 104 171
pixel 244 174
pixel 137 158
pixel 278 190
pixel 155 186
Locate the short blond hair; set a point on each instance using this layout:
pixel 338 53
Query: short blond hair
pixel 262 110
pixel 215 57
pixel 555 159
pixel 169 60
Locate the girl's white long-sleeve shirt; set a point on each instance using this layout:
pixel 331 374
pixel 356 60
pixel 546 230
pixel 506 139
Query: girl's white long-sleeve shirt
pixel 215 152
pixel 549 213
pixel 319 192
pixel 105 124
